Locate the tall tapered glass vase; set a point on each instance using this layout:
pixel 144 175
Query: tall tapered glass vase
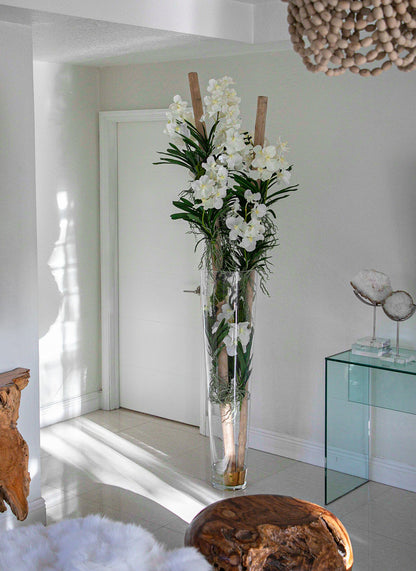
pixel 228 311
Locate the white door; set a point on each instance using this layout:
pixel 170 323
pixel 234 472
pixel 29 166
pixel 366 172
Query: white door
pixel 160 331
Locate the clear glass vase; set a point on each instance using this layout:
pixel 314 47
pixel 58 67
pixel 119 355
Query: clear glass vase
pixel 228 300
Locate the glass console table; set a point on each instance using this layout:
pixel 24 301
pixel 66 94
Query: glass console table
pixel 353 384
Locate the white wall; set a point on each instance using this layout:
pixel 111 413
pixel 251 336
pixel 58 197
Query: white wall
pixel 66 112
pixel 353 142
pixel 18 269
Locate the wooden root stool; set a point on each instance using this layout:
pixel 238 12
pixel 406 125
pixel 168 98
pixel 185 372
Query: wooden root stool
pixel 270 533
pixel 14 452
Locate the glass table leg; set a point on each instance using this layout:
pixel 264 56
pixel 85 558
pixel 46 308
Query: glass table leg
pixel 346 428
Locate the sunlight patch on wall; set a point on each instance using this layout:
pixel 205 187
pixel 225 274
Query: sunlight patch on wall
pixel 60 371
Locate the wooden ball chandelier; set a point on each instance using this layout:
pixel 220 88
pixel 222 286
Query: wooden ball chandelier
pixel 362 36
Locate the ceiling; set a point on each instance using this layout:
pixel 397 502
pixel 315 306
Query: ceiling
pixel 79 40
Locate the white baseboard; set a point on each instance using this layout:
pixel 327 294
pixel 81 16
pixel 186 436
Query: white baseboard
pixel 381 470
pixel 287 446
pixel 37 514
pixel 69 408
pixel 393 473
pixel 347 462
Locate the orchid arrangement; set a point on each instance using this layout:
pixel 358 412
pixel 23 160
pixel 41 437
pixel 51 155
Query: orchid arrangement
pixel 229 203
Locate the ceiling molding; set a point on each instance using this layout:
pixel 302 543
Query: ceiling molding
pixel 222 19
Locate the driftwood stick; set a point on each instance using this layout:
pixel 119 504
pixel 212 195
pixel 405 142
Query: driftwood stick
pixel 242 433
pixel 196 101
pixel 260 128
pixel 259 133
pixel 226 412
pixel 228 436
pixel 243 427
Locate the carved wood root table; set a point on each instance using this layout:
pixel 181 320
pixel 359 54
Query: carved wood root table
pixel 270 533
pixel 14 452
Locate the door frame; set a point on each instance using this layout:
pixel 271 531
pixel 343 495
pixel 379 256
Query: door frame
pixel 108 142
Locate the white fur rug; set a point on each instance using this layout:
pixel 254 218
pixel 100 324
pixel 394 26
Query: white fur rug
pixel 92 543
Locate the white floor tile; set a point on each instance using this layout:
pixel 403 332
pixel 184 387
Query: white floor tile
pixel 194 463
pixel 357 498
pixel 164 439
pixel 121 501
pixel 170 538
pixel 117 420
pixel 389 516
pixel 267 464
pixel 59 474
pixel 70 508
pixel 374 552
pixel 304 482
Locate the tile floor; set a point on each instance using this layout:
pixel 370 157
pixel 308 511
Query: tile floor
pixel 153 472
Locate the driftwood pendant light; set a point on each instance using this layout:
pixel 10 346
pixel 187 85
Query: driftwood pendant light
pixel 362 36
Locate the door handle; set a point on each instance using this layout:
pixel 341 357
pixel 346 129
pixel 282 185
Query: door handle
pixel 197 290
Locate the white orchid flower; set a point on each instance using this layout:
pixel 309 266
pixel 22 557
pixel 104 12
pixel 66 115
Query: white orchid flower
pixel 178 107
pixel 252 197
pixel 202 186
pixel 243 333
pixel 210 194
pixel 265 158
pixel 282 162
pixel 254 174
pixel 258 210
pixel 210 165
pixel 247 152
pixel 248 243
pixel 266 174
pixel 235 206
pixel 230 110
pixel 282 146
pixel 284 177
pixel 234 141
pixel 237 332
pixel 232 160
pixel 219 84
pixel 260 174
pixel 222 101
pixel 219 141
pixel 206 295
pixel 231 340
pixel 216 171
pixel 236 224
pixel 215 200
pixel 254 228
pixel 178 113
pixel 226 314
pixel 179 110
pixel 174 130
pixel 221 175
pixel 213 105
pixel 252 232
pixel 220 193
